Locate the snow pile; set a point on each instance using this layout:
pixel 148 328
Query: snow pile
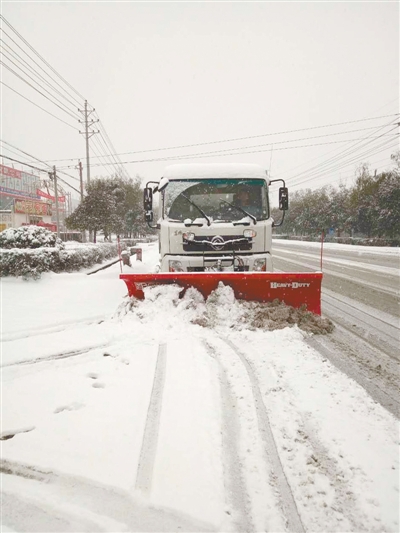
pixel 29 237
pixel 170 308
pixel 31 263
pixel 222 310
pixel 277 315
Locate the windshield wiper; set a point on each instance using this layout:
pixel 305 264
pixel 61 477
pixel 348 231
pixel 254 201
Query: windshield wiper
pixel 242 210
pixel 198 208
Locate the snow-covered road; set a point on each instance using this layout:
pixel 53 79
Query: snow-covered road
pixel 361 295
pixel 150 418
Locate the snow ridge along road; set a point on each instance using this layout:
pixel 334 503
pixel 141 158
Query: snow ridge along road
pixel 150 438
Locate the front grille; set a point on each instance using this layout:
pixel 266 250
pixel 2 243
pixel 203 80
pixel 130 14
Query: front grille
pixel 218 243
pixel 244 268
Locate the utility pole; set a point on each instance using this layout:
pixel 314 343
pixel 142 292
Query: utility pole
pixel 81 178
pixel 69 207
pixel 53 175
pixel 87 123
pixel 80 167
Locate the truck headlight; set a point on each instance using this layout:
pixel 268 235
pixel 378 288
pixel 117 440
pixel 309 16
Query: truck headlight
pixel 188 236
pixel 260 265
pixel 175 266
pixel 249 233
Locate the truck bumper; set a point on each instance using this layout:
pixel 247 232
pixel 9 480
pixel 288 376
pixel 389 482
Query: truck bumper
pixel 227 263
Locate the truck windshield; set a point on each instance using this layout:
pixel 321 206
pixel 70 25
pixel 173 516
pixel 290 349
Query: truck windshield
pixel 213 197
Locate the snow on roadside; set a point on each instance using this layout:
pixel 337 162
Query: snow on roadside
pixel 87 414
pixel 340 448
pixel 375 250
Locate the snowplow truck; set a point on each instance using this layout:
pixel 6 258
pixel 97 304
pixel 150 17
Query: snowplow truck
pixel 215 225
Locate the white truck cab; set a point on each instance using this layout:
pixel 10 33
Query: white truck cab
pixel 214 217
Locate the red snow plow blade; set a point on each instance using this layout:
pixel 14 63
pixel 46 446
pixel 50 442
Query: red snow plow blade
pixel 293 289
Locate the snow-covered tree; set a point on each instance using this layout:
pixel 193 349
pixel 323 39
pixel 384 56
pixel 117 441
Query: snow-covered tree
pixel 339 209
pixel 388 208
pixel 106 205
pixel 371 206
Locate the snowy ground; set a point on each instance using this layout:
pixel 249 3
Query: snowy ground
pixel 374 250
pixel 121 418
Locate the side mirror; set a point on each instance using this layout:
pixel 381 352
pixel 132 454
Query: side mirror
pixel 283 198
pixel 148 199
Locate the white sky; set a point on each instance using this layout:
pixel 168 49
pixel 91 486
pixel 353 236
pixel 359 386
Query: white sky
pixel 163 74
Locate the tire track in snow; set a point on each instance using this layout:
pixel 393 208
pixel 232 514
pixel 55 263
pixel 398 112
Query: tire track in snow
pixel 344 505
pixel 339 506
pixel 233 479
pixel 24 514
pixel 363 324
pixel 294 523
pixel 110 508
pixel 144 476
pixel 359 360
pixel 57 328
pixel 391 322
pixel 53 357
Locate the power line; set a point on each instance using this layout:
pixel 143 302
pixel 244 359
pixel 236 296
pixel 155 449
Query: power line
pixel 105 155
pixel 233 149
pixel 11 151
pixel 26 153
pixel 32 70
pixel 201 155
pixel 38 65
pixel 68 184
pixel 250 137
pixel 280 142
pixel 37 159
pixel 44 61
pixel 384 146
pixel 42 108
pixel 23 163
pixel 41 86
pixel 21 78
pixel 101 157
pixel 120 168
pixel 387 144
pixel 305 181
pixel 346 151
pixel 350 176
pixel 69 175
pixel 377 129
pixel 342 156
pixel 108 140
pixel 40 170
pixel 257 136
pixel 14 58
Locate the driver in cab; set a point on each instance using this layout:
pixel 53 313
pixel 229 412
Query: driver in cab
pixel 243 201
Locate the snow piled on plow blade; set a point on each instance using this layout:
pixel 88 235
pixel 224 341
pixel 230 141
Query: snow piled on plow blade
pixel 295 288
pixel 221 311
